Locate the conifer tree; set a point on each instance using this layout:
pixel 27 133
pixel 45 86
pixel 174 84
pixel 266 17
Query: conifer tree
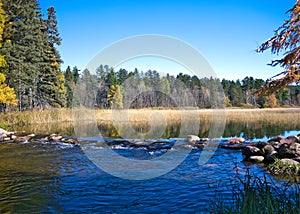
pixel 51 83
pixel 70 86
pixel 23 45
pixel 7 94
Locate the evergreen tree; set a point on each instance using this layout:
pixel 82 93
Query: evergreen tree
pixel 76 75
pixel 70 86
pixel 33 63
pixel 51 83
pixel 22 47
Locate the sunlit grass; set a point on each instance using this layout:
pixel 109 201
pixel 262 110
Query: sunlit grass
pixel 273 116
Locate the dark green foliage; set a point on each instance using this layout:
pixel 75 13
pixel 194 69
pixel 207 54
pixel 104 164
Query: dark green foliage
pixel 149 89
pixel 33 63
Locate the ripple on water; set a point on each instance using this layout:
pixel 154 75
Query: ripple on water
pixel 60 178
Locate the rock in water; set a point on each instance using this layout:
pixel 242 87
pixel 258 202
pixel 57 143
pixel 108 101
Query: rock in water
pixel 249 151
pixel 192 138
pixel 236 140
pixel 257 159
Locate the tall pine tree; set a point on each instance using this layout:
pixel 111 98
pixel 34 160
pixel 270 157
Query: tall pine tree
pixel 33 63
pixel 51 84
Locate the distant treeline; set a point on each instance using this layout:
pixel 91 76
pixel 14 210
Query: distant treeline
pixel 108 88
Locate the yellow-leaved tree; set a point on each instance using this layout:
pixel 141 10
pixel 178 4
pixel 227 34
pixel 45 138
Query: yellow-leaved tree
pixel 7 94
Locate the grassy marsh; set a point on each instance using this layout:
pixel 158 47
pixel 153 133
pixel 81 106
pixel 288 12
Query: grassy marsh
pixel 249 120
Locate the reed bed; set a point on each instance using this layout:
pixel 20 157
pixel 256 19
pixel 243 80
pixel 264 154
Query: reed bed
pixel 141 116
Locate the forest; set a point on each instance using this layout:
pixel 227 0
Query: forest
pixel 31 75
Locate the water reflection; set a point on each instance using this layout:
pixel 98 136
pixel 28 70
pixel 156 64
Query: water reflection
pixel 247 129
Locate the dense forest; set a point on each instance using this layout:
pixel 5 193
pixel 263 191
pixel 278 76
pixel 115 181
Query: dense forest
pixel 31 75
pixel 111 89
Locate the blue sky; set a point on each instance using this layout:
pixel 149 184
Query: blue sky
pixel 226 33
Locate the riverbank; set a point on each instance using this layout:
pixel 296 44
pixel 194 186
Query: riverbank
pixel 272 115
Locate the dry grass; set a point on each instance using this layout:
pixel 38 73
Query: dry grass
pixel 273 116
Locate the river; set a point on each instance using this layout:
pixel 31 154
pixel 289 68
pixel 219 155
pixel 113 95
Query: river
pixel 45 178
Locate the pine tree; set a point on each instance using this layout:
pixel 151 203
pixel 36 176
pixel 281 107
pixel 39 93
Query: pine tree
pixel 52 83
pixel 33 63
pixel 70 86
pixel 7 94
pixel 76 75
pixel 23 46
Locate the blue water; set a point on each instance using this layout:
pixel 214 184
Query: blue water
pixel 52 179
pixel 43 178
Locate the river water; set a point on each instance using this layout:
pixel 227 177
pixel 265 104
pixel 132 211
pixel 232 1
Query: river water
pixel 44 178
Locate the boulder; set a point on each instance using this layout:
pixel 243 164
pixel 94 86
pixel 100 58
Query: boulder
pixel 73 141
pixel 249 151
pixel 262 144
pixel 270 158
pixel 236 140
pixel 287 150
pixel 23 139
pixel 268 149
pixel 279 139
pixel 55 137
pixel 257 159
pixel 192 138
pixel 275 144
pixel 292 139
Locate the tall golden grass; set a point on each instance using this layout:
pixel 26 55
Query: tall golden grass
pixel 277 115
pixel 61 120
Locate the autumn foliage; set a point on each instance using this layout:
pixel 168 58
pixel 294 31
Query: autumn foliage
pixel 286 41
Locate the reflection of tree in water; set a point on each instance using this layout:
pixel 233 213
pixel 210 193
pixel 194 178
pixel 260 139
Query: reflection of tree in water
pixel 248 130
pixel 30 177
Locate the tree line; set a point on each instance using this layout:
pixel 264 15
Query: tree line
pixel 108 88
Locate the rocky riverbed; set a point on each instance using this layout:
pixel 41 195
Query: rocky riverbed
pixel 277 148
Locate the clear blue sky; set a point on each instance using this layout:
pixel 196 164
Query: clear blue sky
pixel 225 32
